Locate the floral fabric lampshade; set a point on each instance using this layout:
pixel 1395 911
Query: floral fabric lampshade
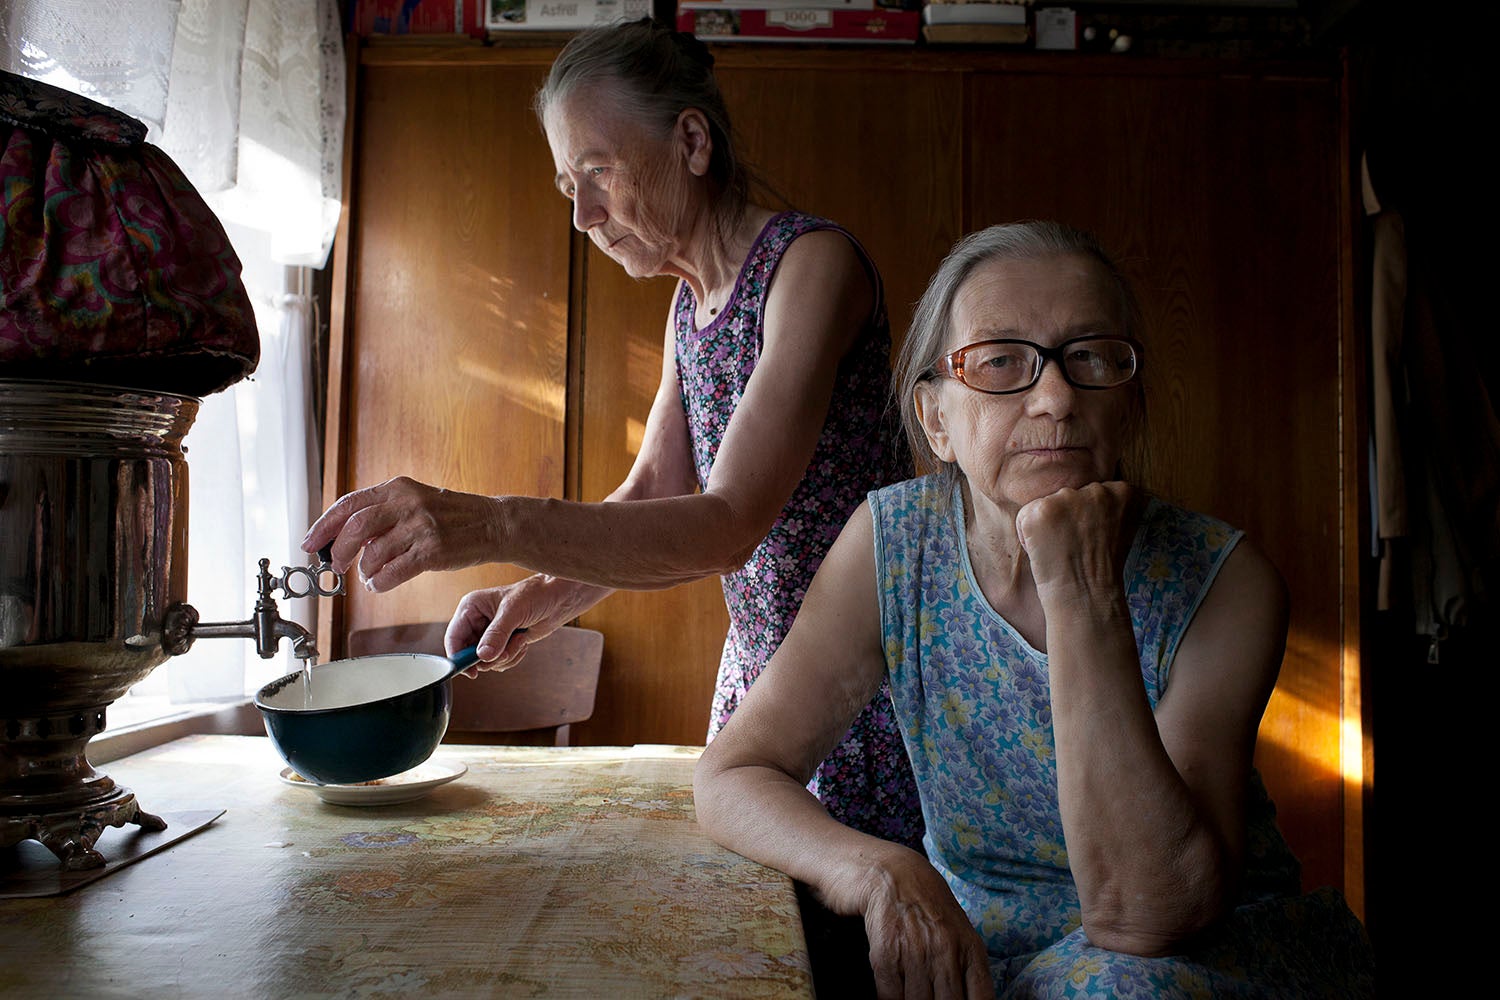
pixel 113 270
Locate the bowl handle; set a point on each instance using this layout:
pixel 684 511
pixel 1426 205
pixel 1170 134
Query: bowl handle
pixel 463 659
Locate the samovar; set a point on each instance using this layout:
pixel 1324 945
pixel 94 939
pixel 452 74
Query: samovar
pixel 121 305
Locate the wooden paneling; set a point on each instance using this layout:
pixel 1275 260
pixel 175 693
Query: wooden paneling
pixel 459 335
pixel 1220 196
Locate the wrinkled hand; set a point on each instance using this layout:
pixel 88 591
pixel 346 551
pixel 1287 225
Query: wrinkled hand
pixel 403 528
pixel 921 941
pixel 503 621
pixel 1080 537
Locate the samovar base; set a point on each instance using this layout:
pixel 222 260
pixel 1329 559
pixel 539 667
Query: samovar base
pixel 71 834
pixel 50 793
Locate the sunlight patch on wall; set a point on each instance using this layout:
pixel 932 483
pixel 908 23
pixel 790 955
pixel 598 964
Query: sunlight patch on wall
pixel 489 287
pixel 635 435
pixel 538 395
pixel 1304 719
pixel 1351 738
pixel 643 368
pixel 536 308
pixel 1314 734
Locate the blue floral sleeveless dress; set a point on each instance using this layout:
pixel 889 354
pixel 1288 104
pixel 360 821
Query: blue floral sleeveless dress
pixel 973 699
pixel 866 781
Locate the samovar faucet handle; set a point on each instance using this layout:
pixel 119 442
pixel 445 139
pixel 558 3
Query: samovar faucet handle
pixel 314 578
pixel 265 625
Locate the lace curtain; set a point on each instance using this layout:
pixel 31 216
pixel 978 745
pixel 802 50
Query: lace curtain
pixel 247 96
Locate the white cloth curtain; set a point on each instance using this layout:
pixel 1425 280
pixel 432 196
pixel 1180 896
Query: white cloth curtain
pixel 247 96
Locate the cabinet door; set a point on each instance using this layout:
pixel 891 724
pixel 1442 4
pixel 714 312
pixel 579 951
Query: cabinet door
pixel 661 647
pixel 1219 197
pixel 457 354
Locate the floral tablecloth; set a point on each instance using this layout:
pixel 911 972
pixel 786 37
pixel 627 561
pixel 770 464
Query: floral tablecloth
pixel 541 872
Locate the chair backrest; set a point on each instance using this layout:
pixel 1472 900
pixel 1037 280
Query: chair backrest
pixel 552 687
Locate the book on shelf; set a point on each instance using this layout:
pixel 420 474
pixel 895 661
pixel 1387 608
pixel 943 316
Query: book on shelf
pixel 974 13
pixel 879 26
pixel 976 34
pixel 560 15
pixel 422 19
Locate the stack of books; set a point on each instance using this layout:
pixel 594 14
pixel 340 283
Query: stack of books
pixel 823 21
pixel 976 22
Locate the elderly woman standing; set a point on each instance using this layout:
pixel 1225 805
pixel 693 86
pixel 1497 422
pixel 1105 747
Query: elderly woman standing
pixel 767 428
pixel 1079 672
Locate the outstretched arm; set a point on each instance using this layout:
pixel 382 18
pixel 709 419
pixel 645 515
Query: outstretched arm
pixel 751 795
pixel 654 537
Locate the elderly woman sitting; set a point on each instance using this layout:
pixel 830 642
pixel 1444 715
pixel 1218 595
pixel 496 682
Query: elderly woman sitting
pixel 1079 671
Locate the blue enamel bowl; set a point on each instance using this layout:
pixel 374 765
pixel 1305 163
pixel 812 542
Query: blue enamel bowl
pixel 361 719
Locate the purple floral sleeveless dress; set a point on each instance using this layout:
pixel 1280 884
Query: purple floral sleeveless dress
pixel 866 782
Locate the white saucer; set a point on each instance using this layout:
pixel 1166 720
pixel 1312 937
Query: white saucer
pixel 401 787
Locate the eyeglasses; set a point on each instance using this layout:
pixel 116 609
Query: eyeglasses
pixel 1000 367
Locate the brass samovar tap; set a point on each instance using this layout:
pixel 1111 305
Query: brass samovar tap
pixel 266 626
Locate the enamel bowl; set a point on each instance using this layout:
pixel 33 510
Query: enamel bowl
pixel 360 719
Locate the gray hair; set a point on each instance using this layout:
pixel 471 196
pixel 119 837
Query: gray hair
pixel 656 74
pixel 932 324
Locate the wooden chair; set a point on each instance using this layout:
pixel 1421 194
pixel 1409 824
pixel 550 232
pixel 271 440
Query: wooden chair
pixel 551 688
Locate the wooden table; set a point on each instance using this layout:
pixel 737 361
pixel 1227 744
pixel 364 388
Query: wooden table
pixel 576 872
